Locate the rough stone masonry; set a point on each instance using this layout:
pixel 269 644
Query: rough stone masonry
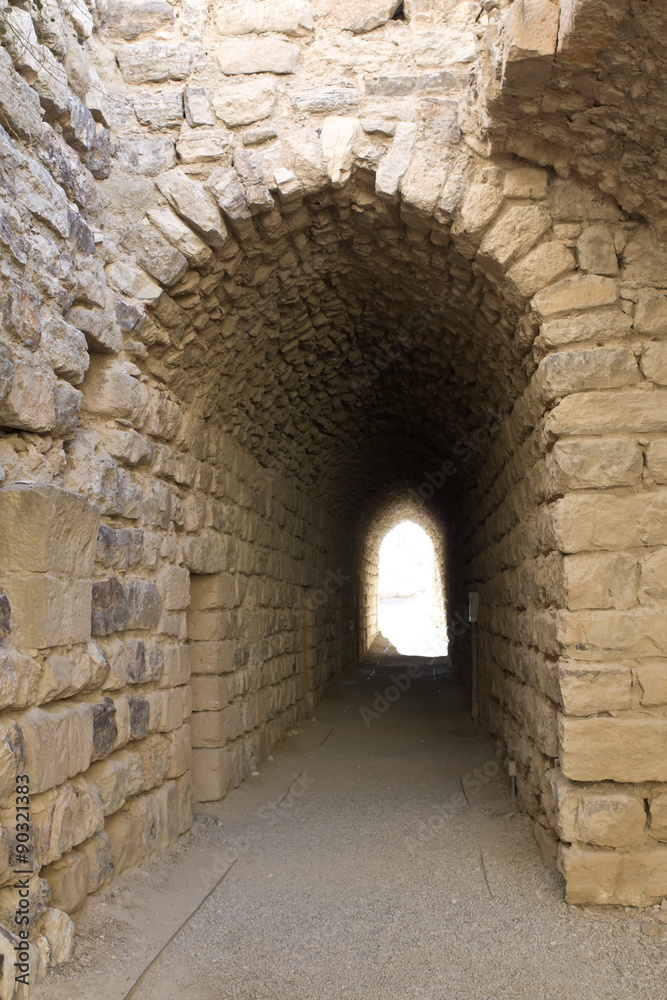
pixel 268 267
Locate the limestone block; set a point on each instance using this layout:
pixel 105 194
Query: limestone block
pixel 658 814
pixel 211 774
pixel 65 817
pixel 66 349
pixel 584 523
pixel 605 815
pixel 68 881
pixel 160 111
pixel 623 411
pixel 205 553
pixel 111 391
pixel 218 590
pixel 174 586
pixel 600 580
pixel 180 751
pixel 244 102
pixel 58 929
pixel 149 157
pixel 587 27
pixel 39 895
pixel 201 145
pixel 578 370
pixel 211 694
pixel 654 362
pixel 29 404
pixel 180 236
pixel 627 878
pixel 214 729
pixel 512 235
pixel 329 100
pixel 620 749
pixel 479 208
pixel 129 20
pixel 651 312
pixel 99 327
pixel 444 48
pixel 596 251
pixel 545 264
pixel 395 163
pixel 653 577
pixel 144 604
pixel 582 463
pixel 584 291
pixel 656 460
pixel 639 632
pixel 168 709
pixel 164 263
pixel 213 657
pixel 652 679
pixel 289 17
pixel 198 110
pixel 258 55
pixel 117 778
pixel 134 832
pixel 194 204
pixel 525 182
pixel 153 62
pixel 591 688
pixel 531 33
pixel 609 324
pixel 338 136
pixel 362 16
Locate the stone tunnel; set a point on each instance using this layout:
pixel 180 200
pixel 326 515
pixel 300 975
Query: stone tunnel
pixel 277 274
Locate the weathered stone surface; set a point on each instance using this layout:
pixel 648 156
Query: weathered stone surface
pixel 338 135
pixel 203 144
pixel 198 110
pixel 396 162
pixel 153 62
pixel 155 255
pixel 261 55
pixel 588 522
pixel 627 878
pixel 289 17
pixel 575 371
pixel 586 291
pixel 531 32
pixel 605 815
pixel 620 749
pixel 111 390
pixel 244 102
pixel 194 204
pixel 188 243
pixel 58 929
pixel 149 157
pixel 130 20
pixel 516 230
pixel 160 111
pixel 593 326
pixel 589 688
pixel 326 100
pixel 543 265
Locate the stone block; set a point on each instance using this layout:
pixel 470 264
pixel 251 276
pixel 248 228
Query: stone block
pixel 210 592
pixel 288 17
pixel 194 204
pixel 148 157
pixel 651 312
pixel 213 657
pixel 110 609
pixel 600 580
pixel 513 234
pixel 29 403
pixel 637 632
pixel 45 529
pixel 168 709
pixel 593 688
pixel 134 832
pixel 583 291
pixel 211 774
pixel 621 878
pixel 129 20
pixel 244 102
pixel 614 749
pixel 258 55
pixel 653 577
pixel 68 881
pixel 97 852
pixel 181 236
pixel 607 324
pixel 174 587
pixel 545 264
pixel 144 604
pixel 204 626
pixel 584 523
pixel 605 815
pixel 451 47
pixel 153 62
pixel 214 729
pixel 111 391
pixel 587 27
pixel 656 461
pixel 58 743
pixel 162 261
pixel 623 411
pixel 596 250
pixel 593 463
pixel 65 817
pixel 198 110
pixel 654 362
pixel 203 145
pixel 180 751
pixel 329 100
pixel 578 370
pixel 531 33
pixel 205 553
pixel 338 136
pixel 658 814
pixel 526 182
pixel 117 778
pixel 652 679
pixel 213 693
pixel 160 111
pixel 58 929
pixel 394 164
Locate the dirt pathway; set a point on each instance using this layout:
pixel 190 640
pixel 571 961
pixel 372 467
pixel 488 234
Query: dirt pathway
pixel 378 857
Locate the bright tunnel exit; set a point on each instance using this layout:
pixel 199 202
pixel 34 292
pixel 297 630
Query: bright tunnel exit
pixel 410 597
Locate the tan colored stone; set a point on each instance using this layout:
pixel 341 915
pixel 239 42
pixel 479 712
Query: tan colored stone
pixel 214 729
pixel 211 773
pixel 605 815
pixel 656 461
pixel 479 208
pixel 516 230
pixel 547 263
pixel 651 312
pixel 213 657
pixel 658 814
pixel 190 245
pixel 620 749
pixel 211 694
pixel 628 878
pixel 583 291
pixel 531 32
pixel 174 587
pixel 625 410
pixel 258 55
pixel 289 17
pixel 245 101
pixel 58 929
pixel 581 463
pixel 526 182
pixel 194 204
pixel 610 522
pixel 586 27
pixel 65 817
pixel 654 362
pixel 68 881
pixel 596 251
pixel 579 370
pixel 652 677
pixel 338 136
pixel 591 688
pixel 593 326
pixel 600 580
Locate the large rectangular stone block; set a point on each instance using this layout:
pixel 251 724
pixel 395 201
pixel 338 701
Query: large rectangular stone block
pixel 583 523
pixel 593 688
pixel 211 773
pixel 213 657
pixel 621 878
pixel 58 743
pixel 213 729
pixel 614 749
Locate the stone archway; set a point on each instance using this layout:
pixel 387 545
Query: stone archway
pixel 341 287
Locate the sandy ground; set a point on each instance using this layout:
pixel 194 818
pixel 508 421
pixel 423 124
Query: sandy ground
pixel 397 867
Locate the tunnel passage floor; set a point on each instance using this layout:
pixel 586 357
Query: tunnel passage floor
pixel 397 867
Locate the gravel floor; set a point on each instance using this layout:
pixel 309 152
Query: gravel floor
pixel 397 867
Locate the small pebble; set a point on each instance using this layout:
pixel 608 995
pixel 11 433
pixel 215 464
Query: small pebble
pixel 650 927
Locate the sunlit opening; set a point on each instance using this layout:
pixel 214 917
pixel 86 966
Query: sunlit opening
pixel 410 599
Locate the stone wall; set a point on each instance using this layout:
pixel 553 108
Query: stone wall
pixel 260 264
